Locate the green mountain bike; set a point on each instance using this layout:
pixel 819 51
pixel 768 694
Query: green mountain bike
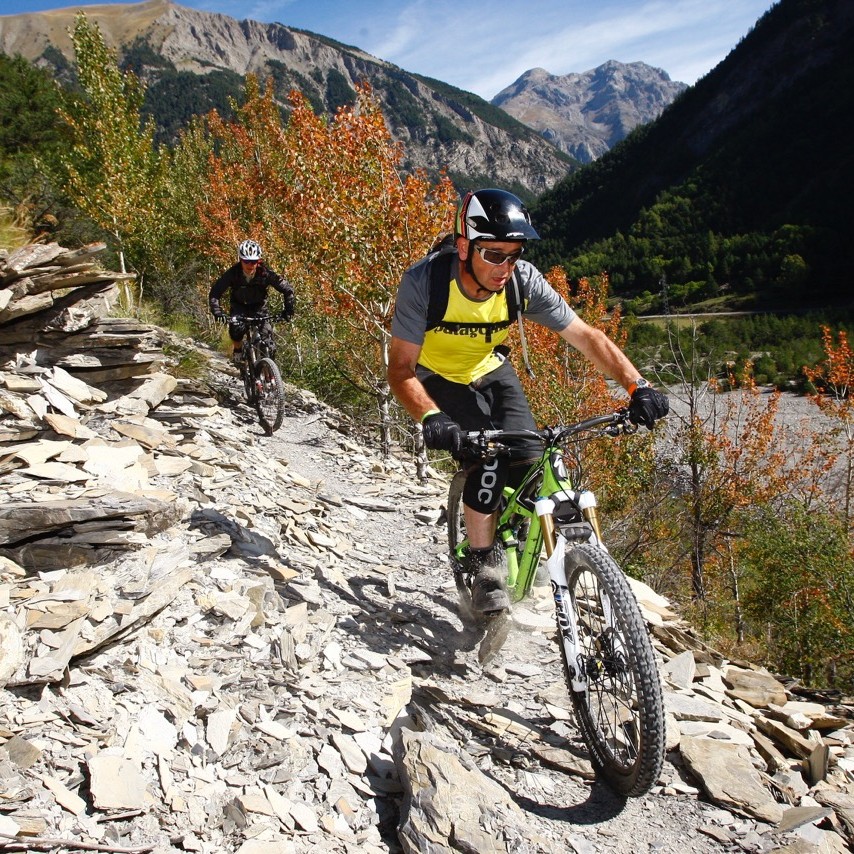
pixel 608 661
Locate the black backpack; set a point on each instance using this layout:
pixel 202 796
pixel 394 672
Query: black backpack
pixel 440 283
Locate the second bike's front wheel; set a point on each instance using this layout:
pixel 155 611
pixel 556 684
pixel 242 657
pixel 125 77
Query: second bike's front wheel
pixel 621 712
pixel 270 395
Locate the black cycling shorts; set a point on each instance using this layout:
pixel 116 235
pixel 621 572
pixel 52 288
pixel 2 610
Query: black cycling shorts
pixel 495 402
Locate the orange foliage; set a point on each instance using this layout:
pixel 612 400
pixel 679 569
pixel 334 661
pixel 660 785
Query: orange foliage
pixel 361 222
pixel 747 463
pixel 567 387
pixel 327 201
pixel 833 379
pixel 834 376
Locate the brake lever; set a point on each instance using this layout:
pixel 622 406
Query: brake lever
pixel 481 449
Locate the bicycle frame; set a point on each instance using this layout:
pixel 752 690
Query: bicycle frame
pixel 545 479
pixel 253 347
pixel 545 488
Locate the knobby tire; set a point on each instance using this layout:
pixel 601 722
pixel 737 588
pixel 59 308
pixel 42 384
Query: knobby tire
pixel 621 716
pixel 270 400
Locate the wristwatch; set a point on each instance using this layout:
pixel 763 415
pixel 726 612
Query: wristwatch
pixel 640 382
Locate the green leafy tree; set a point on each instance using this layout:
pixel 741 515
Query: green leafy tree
pixel 113 171
pixel 799 592
pixel 29 134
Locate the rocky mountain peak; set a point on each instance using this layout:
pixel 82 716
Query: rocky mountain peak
pixel 585 114
pixel 440 127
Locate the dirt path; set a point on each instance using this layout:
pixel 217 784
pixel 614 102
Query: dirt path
pixel 451 691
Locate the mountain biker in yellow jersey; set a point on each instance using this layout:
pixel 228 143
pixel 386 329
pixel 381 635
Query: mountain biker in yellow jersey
pixel 248 281
pixel 449 375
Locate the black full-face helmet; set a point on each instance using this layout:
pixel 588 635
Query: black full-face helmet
pixel 494 215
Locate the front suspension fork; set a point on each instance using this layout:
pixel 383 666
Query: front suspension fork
pixel 555 546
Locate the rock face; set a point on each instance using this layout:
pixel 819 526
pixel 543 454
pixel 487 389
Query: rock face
pixel 216 641
pixel 587 114
pixel 440 127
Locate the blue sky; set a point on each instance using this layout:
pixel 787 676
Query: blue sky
pixel 483 47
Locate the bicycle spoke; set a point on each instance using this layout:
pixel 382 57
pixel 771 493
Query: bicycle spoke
pixel 611 691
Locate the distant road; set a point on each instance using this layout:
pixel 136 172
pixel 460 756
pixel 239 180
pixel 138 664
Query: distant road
pixel 699 314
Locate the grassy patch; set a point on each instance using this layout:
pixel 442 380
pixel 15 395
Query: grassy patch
pixel 12 234
pixel 185 362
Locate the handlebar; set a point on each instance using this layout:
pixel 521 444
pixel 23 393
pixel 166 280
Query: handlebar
pixel 492 443
pixel 250 318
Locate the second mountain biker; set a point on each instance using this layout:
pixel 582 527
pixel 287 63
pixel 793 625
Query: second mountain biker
pixel 249 281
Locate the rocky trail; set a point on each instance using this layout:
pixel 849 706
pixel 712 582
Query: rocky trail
pixel 213 640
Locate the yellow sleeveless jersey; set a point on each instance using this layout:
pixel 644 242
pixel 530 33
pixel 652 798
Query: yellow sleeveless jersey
pixel 461 347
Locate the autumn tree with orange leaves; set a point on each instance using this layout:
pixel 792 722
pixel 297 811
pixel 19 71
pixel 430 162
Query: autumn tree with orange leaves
pixel 736 461
pixel 328 201
pixel 833 380
pixel 363 224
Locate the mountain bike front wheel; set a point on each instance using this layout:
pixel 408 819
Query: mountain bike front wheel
pixel 270 395
pixel 621 712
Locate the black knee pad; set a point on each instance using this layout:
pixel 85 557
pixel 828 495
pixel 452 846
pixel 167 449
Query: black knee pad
pixel 237 330
pixel 485 485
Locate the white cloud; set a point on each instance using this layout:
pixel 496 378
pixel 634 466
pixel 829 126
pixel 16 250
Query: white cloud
pixel 486 52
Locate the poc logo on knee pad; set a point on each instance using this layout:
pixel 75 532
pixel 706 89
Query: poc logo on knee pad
pixel 488 494
pixel 485 485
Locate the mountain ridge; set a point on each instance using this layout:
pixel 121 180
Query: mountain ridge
pixel 743 182
pixel 586 114
pixel 440 127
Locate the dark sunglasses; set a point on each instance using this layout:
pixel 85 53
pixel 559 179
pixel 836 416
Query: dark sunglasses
pixel 249 261
pixel 496 258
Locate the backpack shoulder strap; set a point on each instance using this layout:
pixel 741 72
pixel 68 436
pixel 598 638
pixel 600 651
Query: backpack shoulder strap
pixel 440 278
pixel 440 285
pixel 516 308
pixel 515 302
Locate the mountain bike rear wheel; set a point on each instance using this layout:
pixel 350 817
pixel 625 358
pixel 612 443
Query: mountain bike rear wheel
pixel 270 395
pixel 621 714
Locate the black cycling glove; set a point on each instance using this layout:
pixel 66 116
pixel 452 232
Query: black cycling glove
pixel 647 406
pixel 219 315
pixel 441 433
